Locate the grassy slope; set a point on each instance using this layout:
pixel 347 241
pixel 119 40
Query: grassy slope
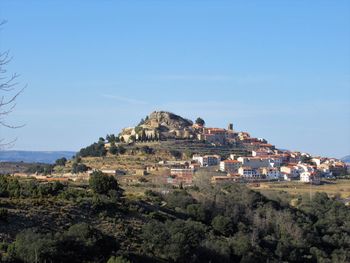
pixel 332 188
pixel 133 159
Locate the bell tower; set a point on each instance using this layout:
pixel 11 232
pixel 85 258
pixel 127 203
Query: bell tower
pixel 230 127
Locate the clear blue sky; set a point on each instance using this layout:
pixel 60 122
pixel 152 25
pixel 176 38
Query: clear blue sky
pixel 278 69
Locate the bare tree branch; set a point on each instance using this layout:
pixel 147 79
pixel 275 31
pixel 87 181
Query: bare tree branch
pixel 9 93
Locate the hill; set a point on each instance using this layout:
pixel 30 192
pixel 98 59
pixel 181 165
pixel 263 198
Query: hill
pixel 34 156
pixel 346 159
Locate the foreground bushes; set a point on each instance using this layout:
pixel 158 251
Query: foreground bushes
pixel 229 223
pixel 174 240
pixel 239 225
pixel 12 187
pixel 80 243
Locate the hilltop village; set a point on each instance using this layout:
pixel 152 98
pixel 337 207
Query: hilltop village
pixel 263 161
pixel 165 148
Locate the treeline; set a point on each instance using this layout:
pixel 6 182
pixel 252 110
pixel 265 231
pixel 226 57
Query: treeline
pixel 12 187
pixel 44 169
pixel 234 224
pixel 225 223
pixel 98 149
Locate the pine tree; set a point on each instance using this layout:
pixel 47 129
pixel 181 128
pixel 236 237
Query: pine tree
pixel 143 136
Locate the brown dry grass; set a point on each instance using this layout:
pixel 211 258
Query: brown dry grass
pixel 332 188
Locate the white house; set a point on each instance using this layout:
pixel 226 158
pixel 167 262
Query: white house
pixel 291 170
pixel 207 160
pixel 199 159
pixel 317 161
pixel 271 173
pixel 309 177
pixel 248 172
pixel 261 152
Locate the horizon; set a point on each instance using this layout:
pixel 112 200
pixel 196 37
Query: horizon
pixel 278 70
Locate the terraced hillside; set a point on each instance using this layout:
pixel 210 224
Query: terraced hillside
pixel 135 158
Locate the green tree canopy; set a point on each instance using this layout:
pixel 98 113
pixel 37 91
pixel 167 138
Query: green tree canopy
pixel 200 121
pixel 62 161
pixel 102 183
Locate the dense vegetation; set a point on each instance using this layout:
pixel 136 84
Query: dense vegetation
pixel 44 169
pixel 238 225
pixel 226 223
pixel 12 187
pixel 79 242
pixel 96 149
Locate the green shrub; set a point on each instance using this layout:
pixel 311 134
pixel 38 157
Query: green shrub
pixel 61 161
pixel 101 183
pixel 179 198
pixel 94 150
pixel 79 168
pixel 80 243
pixel 177 240
pixel 222 224
pixel 198 212
pixel 9 186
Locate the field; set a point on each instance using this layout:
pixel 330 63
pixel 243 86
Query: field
pixel 340 188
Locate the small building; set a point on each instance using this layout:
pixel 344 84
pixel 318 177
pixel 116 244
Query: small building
pixel 181 176
pixel 317 161
pixel 215 135
pixel 249 172
pixel 271 173
pixel 257 162
pixel 207 160
pixel 294 157
pixel 152 169
pixel 291 170
pixel 288 177
pixel 140 172
pixel 194 166
pixel 261 152
pixel 309 177
pixel 109 172
pixel 230 166
pixel 338 168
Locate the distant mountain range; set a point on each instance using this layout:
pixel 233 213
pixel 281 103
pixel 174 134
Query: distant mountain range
pixel 346 159
pixel 34 156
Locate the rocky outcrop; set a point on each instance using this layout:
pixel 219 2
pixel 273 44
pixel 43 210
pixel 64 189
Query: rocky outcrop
pixel 168 120
pixel 160 124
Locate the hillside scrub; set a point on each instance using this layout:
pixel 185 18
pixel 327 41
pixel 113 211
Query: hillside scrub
pixel 223 223
pixel 245 226
pixel 80 243
pixel 13 187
